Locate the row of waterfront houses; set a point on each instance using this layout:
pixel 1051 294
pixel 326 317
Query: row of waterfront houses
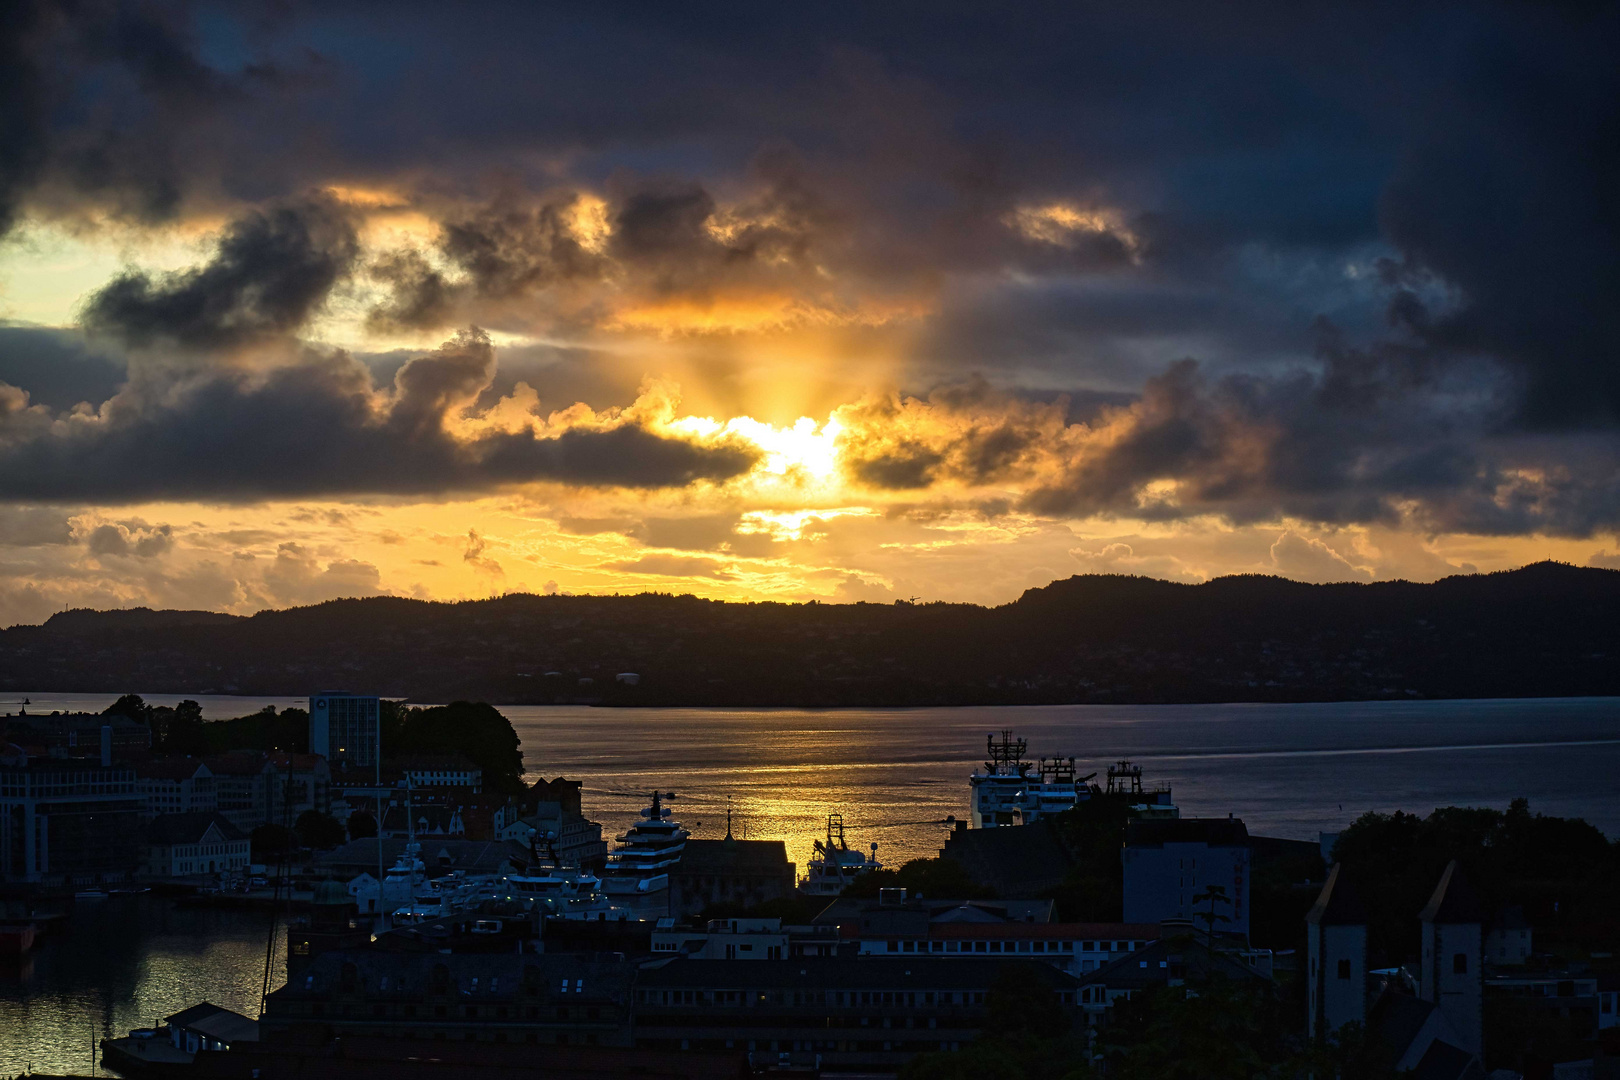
pixel 85 800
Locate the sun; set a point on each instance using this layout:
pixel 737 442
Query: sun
pixel 805 451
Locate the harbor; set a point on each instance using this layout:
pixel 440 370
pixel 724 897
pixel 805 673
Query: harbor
pixel 666 799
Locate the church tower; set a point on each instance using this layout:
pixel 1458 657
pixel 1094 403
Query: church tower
pixel 1336 936
pixel 1453 956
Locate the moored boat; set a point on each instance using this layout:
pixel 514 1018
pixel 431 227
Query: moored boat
pixel 834 865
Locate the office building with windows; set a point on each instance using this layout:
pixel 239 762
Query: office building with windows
pixel 343 728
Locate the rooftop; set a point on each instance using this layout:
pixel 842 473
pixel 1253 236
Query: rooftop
pixel 469 976
pixel 169 768
pixel 863 973
pixel 191 828
pixel 1178 958
pixel 1215 832
pixel 733 856
pixel 1338 904
pixel 1454 900
pixel 851 908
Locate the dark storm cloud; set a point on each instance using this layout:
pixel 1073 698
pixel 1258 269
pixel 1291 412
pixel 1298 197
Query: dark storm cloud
pixel 504 250
pixel 1515 200
pixel 1384 436
pixel 271 272
pixel 658 239
pixel 1373 439
pixel 1256 163
pixel 111 104
pixel 59 368
pixel 23 130
pixel 317 428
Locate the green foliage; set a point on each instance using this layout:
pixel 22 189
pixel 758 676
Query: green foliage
pixel 183 731
pixel 130 705
pixel 265 730
pixel 271 842
pixel 476 731
pixel 362 825
pixel 1212 1031
pixel 1213 896
pixel 319 831
pixel 934 878
pixel 1559 870
pixel 1020 1008
pixel 1092 833
pixel 1029 1035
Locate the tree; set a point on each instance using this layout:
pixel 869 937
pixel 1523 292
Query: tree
pixel 1560 871
pixel 1215 894
pixel 129 705
pixel 319 831
pixel 361 825
pixel 476 731
pixel 1215 1030
pixel 1028 1036
pixel 940 878
pixel 270 842
pixel 185 733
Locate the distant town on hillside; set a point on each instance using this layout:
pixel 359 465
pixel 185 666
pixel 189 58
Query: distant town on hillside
pixel 1544 630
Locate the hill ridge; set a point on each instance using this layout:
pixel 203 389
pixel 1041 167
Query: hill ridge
pixel 1547 629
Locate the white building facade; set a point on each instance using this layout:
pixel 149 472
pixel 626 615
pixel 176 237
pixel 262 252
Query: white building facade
pixel 1169 864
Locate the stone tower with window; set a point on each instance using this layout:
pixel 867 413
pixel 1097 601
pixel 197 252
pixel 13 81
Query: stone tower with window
pixel 1336 935
pixel 1453 956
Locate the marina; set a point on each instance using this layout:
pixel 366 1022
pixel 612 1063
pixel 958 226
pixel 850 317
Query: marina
pixel 1289 771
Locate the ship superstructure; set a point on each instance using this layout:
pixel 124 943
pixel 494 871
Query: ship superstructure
pixel 1125 782
pixel 1014 791
pixel 834 865
pixel 639 867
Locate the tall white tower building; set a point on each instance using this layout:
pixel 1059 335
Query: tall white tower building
pixel 1336 941
pixel 1453 956
pixel 344 728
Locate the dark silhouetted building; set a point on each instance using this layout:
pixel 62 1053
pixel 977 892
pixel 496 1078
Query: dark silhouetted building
pixel 69 820
pixel 496 998
pixel 729 871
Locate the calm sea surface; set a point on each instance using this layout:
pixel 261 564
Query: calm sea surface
pixel 1287 770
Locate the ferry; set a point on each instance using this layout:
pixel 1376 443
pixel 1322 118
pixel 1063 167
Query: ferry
pixel 834 865
pixel 639 867
pixel 1013 791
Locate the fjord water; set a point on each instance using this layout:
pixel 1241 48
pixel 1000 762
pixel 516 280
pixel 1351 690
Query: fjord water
pixel 894 775
pixel 1287 770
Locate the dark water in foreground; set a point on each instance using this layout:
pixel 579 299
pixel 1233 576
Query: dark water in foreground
pixel 123 963
pixel 1287 770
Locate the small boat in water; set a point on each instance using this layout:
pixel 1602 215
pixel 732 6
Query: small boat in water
pixel 90 894
pixel 17 937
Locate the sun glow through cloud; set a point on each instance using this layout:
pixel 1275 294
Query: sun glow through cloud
pixel 267 341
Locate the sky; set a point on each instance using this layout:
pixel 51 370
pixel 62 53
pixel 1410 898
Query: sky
pixel 844 302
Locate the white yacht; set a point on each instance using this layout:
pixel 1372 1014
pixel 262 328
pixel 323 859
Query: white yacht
pixel 549 880
pixel 834 865
pixel 639 866
pixel 1013 791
